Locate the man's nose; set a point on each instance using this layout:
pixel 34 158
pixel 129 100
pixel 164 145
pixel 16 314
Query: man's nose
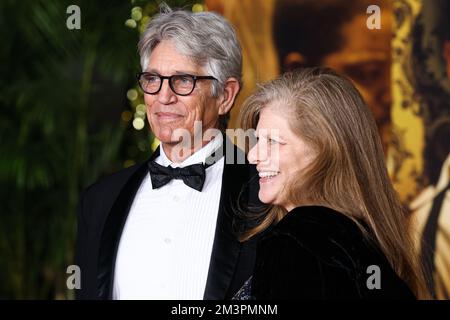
pixel 166 95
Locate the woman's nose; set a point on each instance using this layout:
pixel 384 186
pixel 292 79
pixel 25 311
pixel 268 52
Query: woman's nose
pixel 258 153
pixel 252 155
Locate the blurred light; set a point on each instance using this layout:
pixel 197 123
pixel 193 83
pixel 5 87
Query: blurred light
pixel 128 163
pixel 140 108
pixel 138 123
pixel 197 8
pixel 144 22
pixel 130 23
pixel 132 94
pixel 136 13
pixel 140 114
pixel 155 144
pixel 126 116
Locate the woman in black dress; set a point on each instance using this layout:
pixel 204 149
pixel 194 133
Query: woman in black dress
pixel 335 228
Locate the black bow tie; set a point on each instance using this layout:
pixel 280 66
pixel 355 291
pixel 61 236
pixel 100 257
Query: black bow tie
pixel 193 175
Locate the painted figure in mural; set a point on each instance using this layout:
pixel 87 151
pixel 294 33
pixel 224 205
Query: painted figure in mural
pixel 334 33
pixel 431 74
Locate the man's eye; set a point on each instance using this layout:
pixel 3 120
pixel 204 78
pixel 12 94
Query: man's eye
pixel 272 141
pixel 151 78
pixel 185 79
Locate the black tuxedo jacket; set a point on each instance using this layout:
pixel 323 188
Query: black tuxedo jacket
pixel 103 210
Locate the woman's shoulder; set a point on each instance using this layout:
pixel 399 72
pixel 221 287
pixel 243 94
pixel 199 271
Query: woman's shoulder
pixel 326 233
pixel 319 252
pixel 312 222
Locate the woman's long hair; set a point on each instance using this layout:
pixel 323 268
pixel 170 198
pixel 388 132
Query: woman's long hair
pixel 349 173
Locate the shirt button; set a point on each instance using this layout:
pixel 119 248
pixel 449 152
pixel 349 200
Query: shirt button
pixel 176 198
pixel 167 241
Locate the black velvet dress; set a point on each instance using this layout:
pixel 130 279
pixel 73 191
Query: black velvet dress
pixel 317 253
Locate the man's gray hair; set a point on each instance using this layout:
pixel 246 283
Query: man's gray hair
pixel 206 37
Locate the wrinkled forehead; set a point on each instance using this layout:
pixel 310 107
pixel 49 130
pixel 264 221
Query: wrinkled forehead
pixel 167 57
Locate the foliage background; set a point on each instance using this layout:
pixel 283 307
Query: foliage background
pixel 69 113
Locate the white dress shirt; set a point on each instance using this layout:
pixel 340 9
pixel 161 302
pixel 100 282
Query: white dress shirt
pixel 166 244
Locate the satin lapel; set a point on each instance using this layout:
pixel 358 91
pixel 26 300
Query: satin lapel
pixel 113 228
pixel 226 247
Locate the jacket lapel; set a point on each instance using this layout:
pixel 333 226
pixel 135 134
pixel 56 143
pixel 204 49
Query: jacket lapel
pixel 226 247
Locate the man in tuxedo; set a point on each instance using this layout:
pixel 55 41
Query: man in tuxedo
pixel 165 229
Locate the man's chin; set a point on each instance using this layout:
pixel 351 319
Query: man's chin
pixel 166 135
pixel 169 141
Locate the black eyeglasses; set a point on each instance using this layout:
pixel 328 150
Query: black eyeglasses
pixel 181 84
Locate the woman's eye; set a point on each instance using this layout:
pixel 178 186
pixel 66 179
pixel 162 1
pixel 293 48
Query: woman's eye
pixel 271 141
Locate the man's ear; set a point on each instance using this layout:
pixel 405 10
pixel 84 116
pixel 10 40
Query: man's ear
pixel 228 95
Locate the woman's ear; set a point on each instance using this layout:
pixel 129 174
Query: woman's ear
pixel 228 96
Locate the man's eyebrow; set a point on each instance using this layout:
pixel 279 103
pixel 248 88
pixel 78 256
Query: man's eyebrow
pixel 152 71
pixel 185 72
